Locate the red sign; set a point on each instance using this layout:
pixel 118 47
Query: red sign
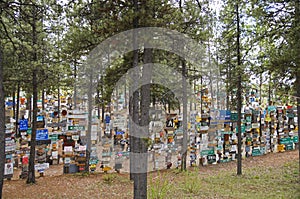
pixel 25 160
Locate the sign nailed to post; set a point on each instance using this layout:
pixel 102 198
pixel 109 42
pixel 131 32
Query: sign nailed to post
pixel 41 166
pixel 23 125
pixel 42 134
pixel 76 128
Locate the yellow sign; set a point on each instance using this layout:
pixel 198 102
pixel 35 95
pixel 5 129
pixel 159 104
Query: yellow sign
pixel 268 118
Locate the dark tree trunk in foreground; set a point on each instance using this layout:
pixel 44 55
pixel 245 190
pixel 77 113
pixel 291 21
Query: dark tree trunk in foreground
pixel 31 171
pixel 134 99
pixel 239 95
pixel 2 125
pixel 184 117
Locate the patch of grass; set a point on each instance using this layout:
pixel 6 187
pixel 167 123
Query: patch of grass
pixel 81 174
pixel 191 183
pixel 160 187
pixel 109 178
pixel 258 182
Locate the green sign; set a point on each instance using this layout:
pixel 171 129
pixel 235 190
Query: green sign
pixel 243 129
pixel 76 128
pixel 256 152
pixel 54 137
pixel 295 139
pixel 289 146
pixel 225 160
pixel 207 152
pixel 234 116
pixel 248 119
pixel 29 131
pixel 93 161
pixel 285 140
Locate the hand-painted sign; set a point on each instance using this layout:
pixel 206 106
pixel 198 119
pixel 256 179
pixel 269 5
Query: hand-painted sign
pixel 42 134
pixel 23 125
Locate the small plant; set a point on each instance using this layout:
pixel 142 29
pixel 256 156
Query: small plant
pixel 159 187
pixel 109 178
pixel 191 183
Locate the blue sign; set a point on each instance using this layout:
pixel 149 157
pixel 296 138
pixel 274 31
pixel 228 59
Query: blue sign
pixel 40 118
pixel 42 134
pixel 271 108
pixel 225 115
pixel 23 125
pixel 107 119
pixel 119 132
pixel 9 103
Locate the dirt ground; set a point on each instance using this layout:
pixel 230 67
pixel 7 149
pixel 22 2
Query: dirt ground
pixel 55 184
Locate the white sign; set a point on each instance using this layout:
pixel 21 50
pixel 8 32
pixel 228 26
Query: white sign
pixel 82 133
pixel 8 168
pixel 55 154
pixel 82 148
pixel 68 149
pixel 94 128
pixel 41 166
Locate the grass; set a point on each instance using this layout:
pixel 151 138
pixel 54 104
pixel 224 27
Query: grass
pixel 160 187
pixel 254 183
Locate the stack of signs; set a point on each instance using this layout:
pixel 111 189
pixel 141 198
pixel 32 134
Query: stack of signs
pixel 10 147
pixel 106 151
pixel 41 158
pixel 120 122
pixel 94 132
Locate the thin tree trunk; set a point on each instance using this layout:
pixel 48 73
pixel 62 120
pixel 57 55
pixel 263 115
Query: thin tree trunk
pixel 239 95
pixel 58 103
pixel 135 96
pixel 184 117
pixel 43 99
pixel 75 86
pixel 17 109
pixel 140 181
pixel 31 171
pixel 2 125
pixel 89 130
pixel 14 103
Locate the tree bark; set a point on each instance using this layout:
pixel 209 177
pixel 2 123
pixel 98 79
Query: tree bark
pixel 239 95
pixel 17 110
pixel 31 171
pixel 140 181
pixel 184 117
pixel 135 96
pixel 2 125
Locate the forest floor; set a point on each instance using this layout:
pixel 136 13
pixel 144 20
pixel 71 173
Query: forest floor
pixel 269 176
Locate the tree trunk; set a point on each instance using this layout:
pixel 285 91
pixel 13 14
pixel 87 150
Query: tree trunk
pixel 43 99
pixel 297 68
pixel 31 171
pixel 140 180
pixel 89 130
pixel 135 95
pixel 75 86
pixel 298 111
pixel 17 110
pixel 14 103
pixel 184 117
pixel 239 95
pixel 58 103
pixel 2 125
